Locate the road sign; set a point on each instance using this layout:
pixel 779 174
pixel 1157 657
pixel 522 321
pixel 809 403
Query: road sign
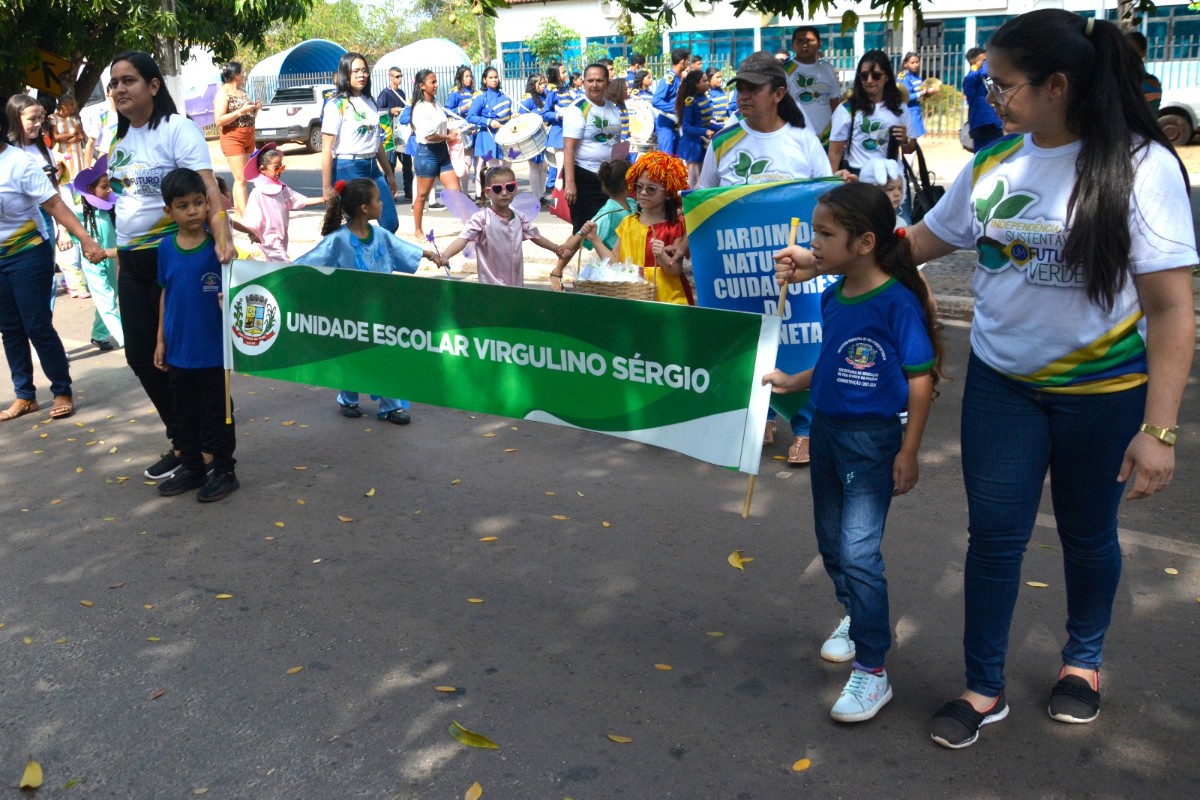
pixel 46 71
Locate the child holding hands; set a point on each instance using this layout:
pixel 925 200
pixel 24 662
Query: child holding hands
pixel 655 181
pixel 268 211
pixel 352 242
pixel 498 232
pixel 880 355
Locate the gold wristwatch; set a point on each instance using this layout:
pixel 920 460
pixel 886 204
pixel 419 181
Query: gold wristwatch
pixel 1165 435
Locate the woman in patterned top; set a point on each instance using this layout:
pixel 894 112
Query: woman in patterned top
pixel 234 113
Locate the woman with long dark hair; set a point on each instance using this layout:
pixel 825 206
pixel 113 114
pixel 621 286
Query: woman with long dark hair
pixel 537 101
pixel 352 141
pixel 433 134
pixel 26 275
pixel 152 139
pixel 1082 341
pixel 875 117
pixel 234 114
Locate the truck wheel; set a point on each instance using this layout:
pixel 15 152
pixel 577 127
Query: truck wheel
pixel 314 139
pixel 1177 128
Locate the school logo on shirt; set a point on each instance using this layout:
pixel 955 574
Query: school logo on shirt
pixel 211 282
pixel 131 178
pixel 875 134
pixel 1032 245
pixel 808 92
pixel 860 354
pixel 255 320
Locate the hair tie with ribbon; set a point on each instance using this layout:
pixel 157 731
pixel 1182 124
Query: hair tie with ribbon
pixel 339 187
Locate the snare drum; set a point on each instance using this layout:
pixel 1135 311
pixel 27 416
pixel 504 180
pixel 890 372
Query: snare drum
pixel 521 138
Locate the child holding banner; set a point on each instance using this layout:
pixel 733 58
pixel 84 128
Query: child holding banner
pixel 358 244
pixel 498 233
pixel 881 355
pixel 655 181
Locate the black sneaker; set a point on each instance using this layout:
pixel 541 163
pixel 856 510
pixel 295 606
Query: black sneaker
pixel 220 485
pixel 165 467
pixel 103 345
pixel 1073 700
pixel 397 417
pixel 352 410
pixel 956 725
pixel 435 206
pixel 183 481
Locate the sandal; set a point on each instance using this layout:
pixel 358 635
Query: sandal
pixel 64 407
pixel 798 452
pixel 19 408
pixel 769 433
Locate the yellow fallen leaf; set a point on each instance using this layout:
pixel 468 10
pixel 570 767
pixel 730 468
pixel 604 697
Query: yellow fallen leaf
pixel 470 738
pixel 1171 571
pixel 455 482
pixel 605 524
pixel 513 428
pixel 62 640
pixel 86 603
pixel 147 606
pixel 294 670
pixel 153 639
pixel 735 560
pixel 269 538
pixel 26 640
pixel 150 483
pixel 56 501
pixel 1 626
pixel 474 600
pixel 579 493
pixel 778 458
pixel 345 519
pixel 299 469
pixel 445 689
pixel 715 634
pixel 31 778
pixel 316 561
pixel 1037 584
pixel 801 765
pixel 78 424
pixel 78 470
pixel 112 449
pixel 200 790
pixel 38 452
pixel 109 519
pixel 370 492
pixel 299 502
pixel 71 439
pixel 663 667
pixel 510 450
pixel 474 793
pixel 302 425
pixel 43 435
pixel 91 430
pixel 619 739
pixel 224 597
pixel 89 444
pixel 550 494
pixel 288 423
pixel 122 478
pixel 248 392
pixel 559 517
pixel 489 538
pixel 278 524
pixel 488 435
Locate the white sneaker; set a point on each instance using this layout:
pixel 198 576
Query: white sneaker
pixel 839 647
pixel 864 695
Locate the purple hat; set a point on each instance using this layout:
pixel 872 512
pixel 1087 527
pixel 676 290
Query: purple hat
pixel 251 171
pixel 87 177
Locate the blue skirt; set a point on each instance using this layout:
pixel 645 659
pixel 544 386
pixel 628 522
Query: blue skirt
pixel 916 121
pixel 690 148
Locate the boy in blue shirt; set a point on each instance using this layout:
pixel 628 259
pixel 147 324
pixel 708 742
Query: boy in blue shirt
pixel 190 344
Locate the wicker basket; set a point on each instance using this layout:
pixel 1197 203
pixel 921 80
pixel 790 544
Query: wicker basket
pixel 623 290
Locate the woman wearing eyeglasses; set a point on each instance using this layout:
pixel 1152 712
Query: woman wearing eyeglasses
pixel 1081 345
pixel 873 123
pixel 352 140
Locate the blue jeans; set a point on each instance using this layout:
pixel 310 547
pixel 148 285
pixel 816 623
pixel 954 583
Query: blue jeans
pixel 25 318
pixel 1011 434
pixel 851 474
pixel 386 404
pixel 801 421
pixel 345 169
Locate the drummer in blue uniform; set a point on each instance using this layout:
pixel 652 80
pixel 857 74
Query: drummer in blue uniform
pixel 539 101
pixel 664 100
pixel 490 111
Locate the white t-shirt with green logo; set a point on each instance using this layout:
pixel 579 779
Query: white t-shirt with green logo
pixel 23 187
pixel 812 86
pixel 597 128
pixel 137 164
pixel 868 136
pixel 1033 319
pixel 738 155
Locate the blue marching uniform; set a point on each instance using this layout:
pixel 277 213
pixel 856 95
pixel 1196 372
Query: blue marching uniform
pixel 916 120
pixel 719 100
pixel 558 99
pixel 546 112
pixel 664 103
pixel 697 120
pixel 459 101
pixel 491 105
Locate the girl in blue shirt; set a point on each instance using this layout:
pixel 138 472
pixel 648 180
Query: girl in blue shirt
pixel 539 101
pixel 352 242
pixel 695 126
pixel 880 355
pixel 717 96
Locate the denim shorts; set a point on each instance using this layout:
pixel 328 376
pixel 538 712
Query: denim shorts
pixel 432 160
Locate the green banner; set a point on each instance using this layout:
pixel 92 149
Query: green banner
pixel 679 377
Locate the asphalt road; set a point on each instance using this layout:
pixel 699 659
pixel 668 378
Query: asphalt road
pixel 562 651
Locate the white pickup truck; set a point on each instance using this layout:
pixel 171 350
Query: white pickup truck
pixel 294 115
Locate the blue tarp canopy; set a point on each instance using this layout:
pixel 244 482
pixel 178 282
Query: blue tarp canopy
pixel 314 60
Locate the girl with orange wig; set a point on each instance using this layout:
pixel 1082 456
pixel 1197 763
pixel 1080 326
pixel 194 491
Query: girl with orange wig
pixel 655 181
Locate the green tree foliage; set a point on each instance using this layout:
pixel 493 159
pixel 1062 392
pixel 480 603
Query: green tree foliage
pixel 550 39
pixel 90 32
pixel 647 39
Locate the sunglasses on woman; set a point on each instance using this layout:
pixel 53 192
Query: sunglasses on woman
pixel 501 188
pixel 873 75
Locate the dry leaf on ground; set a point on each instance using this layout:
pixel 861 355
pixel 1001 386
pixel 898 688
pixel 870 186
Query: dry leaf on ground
pixel 31 778
pixel 801 765
pixel 474 793
pixel 619 739
pixel 471 738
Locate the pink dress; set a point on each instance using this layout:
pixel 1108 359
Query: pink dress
pixel 498 245
pixel 267 213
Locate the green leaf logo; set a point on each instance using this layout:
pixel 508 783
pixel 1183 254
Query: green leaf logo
pixel 742 167
pixel 999 205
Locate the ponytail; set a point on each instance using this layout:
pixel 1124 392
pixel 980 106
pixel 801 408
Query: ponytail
pixel 350 196
pixel 1106 107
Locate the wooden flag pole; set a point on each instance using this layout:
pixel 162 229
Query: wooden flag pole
pixel 779 312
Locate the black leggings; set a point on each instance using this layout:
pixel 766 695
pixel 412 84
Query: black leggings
pixel 589 197
pixel 138 293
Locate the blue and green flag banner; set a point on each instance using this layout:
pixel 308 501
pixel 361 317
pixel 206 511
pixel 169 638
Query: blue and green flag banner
pixel 733 233
pixel 678 377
